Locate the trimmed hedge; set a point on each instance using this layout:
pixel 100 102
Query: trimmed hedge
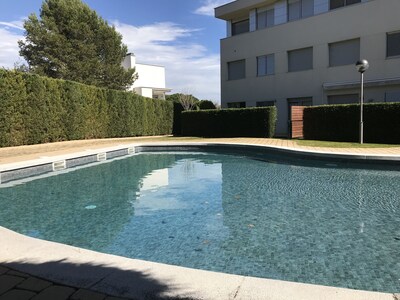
pixel 341 123
pixel 242 122
pixel 35 109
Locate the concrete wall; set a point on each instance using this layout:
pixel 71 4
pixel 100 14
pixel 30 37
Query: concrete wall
pixel 150 76
pixel 145 92
pixel 369 21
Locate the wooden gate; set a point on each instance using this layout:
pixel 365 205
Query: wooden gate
pixel 296 121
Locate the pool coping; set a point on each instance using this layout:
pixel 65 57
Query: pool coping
pixel 27 254
pixel 46 164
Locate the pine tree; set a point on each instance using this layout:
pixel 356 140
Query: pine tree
pixel 70 41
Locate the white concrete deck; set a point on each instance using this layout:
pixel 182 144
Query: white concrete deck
pixel 139 279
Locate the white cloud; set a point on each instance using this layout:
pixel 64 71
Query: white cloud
pixel 14 24
pixel 208 6
pixel 188 65
pixel 10 32
pixel 9 51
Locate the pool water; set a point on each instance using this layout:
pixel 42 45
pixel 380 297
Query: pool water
pixel 320 223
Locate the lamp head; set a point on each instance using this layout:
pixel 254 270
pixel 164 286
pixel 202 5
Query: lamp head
pixel 362 65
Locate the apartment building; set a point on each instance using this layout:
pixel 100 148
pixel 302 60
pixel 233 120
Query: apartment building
pixel 303 52
pixel 151 78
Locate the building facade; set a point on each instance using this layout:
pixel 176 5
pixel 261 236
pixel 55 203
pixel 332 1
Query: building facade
pixel 151 78
pixel 303 52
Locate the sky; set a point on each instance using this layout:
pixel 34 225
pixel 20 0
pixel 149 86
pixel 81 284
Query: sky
pixel 181 35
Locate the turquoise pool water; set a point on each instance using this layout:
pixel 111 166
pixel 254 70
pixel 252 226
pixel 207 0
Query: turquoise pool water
pixel 312 222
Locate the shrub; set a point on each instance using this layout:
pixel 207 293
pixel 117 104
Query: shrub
pixel 35 109
pixel 341 123
pixel 206 104
pixel 244 122
pixel 177 127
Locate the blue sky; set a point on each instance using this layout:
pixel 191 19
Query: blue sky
pixel 181 35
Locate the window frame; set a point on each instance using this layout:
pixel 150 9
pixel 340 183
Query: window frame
pixel 239 103
pixel 270 103
pixel 233 33
pixel 341 42
pixel 387 45
pixel 266 65
pixel 293 50
pixel 301 12
pixel 344 4
pixel 349 95
pixel 236 61
pixel 265 10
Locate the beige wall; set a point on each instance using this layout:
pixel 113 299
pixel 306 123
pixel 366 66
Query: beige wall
pixel 368 21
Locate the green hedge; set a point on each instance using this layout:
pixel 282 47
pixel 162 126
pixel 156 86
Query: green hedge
pixel 35 109
pixel 341 123
pixel 244 122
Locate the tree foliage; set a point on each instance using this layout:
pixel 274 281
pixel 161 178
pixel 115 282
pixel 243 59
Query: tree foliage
pixel 177 96
pixel 187 100
pixel 70 41
pixel 36 109
pixel 206 104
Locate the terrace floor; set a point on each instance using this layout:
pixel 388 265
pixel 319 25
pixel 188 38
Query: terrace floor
pixel 30 152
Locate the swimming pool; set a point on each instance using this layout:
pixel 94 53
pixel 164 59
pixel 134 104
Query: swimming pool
pixel 266 216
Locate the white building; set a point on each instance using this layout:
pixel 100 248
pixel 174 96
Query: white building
pixel 303 52
pixel 151 81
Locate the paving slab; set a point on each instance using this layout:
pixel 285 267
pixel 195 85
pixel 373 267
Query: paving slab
pixel 16 273
pixel 3 270
pixel 7 282
pixel 83 294
pixel 34 284
pixel 17 295
pixel 55 292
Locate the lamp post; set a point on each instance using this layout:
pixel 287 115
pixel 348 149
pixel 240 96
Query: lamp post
pixel 362 66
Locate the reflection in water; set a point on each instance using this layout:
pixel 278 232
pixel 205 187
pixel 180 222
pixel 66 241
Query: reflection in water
pixel 61 208
pixel 155 179
pixel 302 222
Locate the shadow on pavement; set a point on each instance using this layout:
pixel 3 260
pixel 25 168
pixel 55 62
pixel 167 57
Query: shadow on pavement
pixel 109 280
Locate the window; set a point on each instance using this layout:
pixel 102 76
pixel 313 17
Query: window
pixel 333 4
pixel 236 104
pixel 298 9
pixel 240 27
pixel 236 69
pixel 265 103
pixel 344 53
pixel 344 99
pixel 294 10
pixel 300 60
pixel 393 44
pixel 266 65
pixel 392 96
pixel 265 18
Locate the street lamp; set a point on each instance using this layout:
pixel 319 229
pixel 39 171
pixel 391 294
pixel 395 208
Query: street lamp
pixel 362 66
